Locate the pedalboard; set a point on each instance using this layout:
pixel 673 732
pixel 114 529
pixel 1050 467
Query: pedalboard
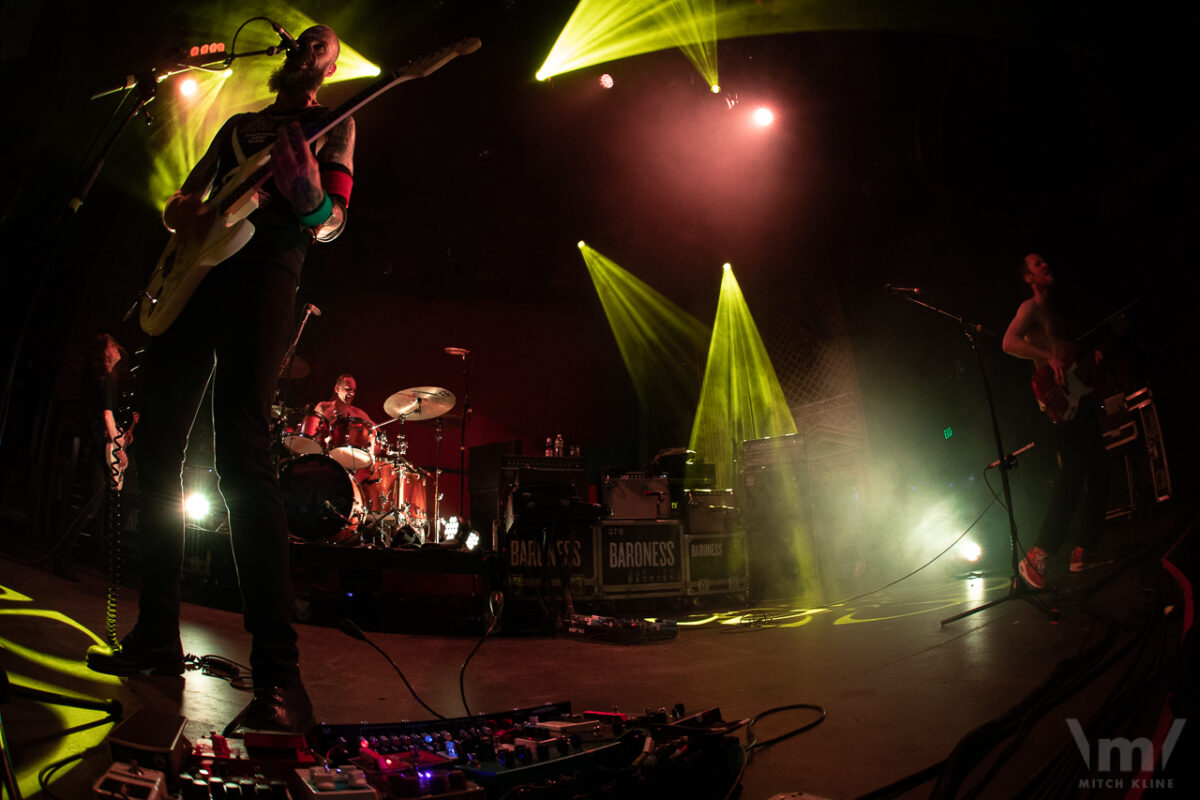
pixel 129 781
pixel 483 757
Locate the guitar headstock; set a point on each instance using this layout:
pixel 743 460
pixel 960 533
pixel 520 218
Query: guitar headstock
pixel 435 61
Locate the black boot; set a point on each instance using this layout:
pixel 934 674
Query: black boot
pixel 283 709
pixel 136 654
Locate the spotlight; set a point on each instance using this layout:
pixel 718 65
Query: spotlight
pixel 188 87
pixel 606 81
pixel 971 551
pixel 715 89
pixel 580 244
pixel 451 530
pixel 196 506
pixel 763 116
pixel 472 540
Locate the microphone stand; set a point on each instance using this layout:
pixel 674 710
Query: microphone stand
pixel 463 515
pixel 1016 587
pixel 285 367
pixel 436 529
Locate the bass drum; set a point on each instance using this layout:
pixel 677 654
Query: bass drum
pixel 323 502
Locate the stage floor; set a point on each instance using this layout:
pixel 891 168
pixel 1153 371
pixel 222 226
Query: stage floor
pixel 900 689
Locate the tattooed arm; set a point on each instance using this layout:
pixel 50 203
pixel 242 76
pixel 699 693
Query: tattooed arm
pixel 298 175
pixel 336 160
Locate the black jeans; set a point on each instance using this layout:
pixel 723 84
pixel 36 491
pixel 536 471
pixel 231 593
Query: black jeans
pixel 1081 486
pixel 235 330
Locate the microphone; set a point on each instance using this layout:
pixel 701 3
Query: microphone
pixel 902 289
pixel 332 510
pixel 311 309
pixel 285 38
pixel 462 352
pixel 1012 456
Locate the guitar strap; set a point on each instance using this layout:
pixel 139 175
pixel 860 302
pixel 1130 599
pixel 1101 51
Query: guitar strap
pixel 238 153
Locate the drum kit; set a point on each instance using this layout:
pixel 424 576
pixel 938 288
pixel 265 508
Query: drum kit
pixel 345 483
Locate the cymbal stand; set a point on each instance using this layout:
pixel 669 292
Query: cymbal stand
pixel 399 459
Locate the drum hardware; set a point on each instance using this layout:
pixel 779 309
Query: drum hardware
pixel 418 404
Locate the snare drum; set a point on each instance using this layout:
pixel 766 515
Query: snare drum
pixel 309 436
pixel 352 443
pixel 323 502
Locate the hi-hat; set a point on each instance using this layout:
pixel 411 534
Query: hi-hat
pixel 420 402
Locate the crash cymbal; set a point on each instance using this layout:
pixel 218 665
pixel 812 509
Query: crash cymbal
pixel 299 369
pixel 419 402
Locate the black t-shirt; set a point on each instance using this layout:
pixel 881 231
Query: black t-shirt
pixel 278 232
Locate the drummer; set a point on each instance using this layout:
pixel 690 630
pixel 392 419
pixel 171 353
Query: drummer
pixel 341 404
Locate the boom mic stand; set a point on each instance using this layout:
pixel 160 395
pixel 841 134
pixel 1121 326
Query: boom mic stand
pixel 1016 587
pixel 462 352
pixel 285 369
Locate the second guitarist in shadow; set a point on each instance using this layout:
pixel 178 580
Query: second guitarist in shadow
pixel 1037 333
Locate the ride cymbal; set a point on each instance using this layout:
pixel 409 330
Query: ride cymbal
pixel 419 402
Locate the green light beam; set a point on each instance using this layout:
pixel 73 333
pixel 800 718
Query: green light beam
pixel 661 344
pixel 600 31
pixel 741 397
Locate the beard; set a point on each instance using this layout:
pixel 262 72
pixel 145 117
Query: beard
pixel 293 77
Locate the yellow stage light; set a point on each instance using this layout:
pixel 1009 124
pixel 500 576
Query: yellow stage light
pixel 741 397
pixel 661 344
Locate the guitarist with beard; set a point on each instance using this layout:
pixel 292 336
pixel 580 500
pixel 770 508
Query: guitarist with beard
pixel 234 330
pixel 1081 487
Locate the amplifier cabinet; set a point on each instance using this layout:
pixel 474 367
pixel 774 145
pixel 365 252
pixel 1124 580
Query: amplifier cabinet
pixel 716 563
pixel 640 558
pixel 708 511
pixel 535 558
pixel 637 495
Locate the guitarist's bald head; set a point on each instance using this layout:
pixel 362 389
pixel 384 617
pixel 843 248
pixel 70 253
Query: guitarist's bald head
pixel 327 34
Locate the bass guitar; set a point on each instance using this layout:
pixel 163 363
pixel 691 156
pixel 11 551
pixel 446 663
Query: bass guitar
pixel 187 259
pixel 1061 402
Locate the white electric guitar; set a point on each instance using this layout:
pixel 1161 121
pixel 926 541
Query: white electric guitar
pixel 187 259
